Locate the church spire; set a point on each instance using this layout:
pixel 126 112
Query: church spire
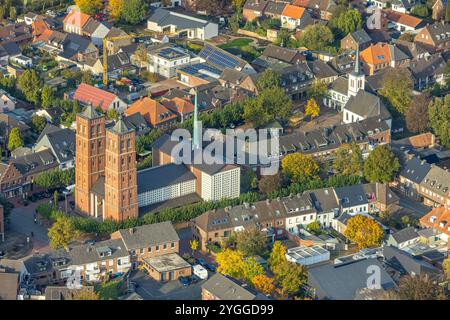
pixel 356 78
pixel 357 70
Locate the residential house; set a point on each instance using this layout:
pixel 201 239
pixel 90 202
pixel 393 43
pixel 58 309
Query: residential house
pixel 274 9
pixel 234 79
pixel 89 95
pixel 119 64
pixel 403 22
pixel 288 55
pixel 75 48
pixel 435 36
pixel 147 241
pixel 17 176
pixel 344 281
pixel 2 223
pixel 406 264
pixel 438 220
pixel 294 17
pixel 253 9
pixel 74 22
pixel 183 108
pixel 165 59
pixel 97 31
pixel 116 39
pixel 61 142
pixel 412 174
pixel 9 51
pixel 365 105
pixel 222 59
pixel 402 6
pixel 19 33
pixel 220 287
pixel 414 50
pixel 7 102
pixel 435 187
pixel 381 55
pixel 156 114
pixel 322 71
pixel 163 20
pixel 10 285
pixel 403 238
pixel 357 40
pixel 198 74
pixel 427 71
pixel 294 79
pixel 23 61
pixel 320 9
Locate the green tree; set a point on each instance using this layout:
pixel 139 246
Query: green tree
pixel 439 115
pixel 291 276
pixel 55 200
pixel 251 242
pixel 84 294
pixel 318 90
pixel 268 79
pixel 446 267
pixel 397 90
pixel 38 123
pixel 134 11
pixel 252 269
pixel 277 256
pixel 268 184
pixel 420 10
pixel 380 165
pixel 62 233
pixel 15 139
pixel 347 21
pixel 317 37
pixel 86 77
pixel 46 97
pixel 447 13
pixel 30 84
pixel 348 160
pixel 75 108
pixel 313 226
pixel 112 114
pixel 419 287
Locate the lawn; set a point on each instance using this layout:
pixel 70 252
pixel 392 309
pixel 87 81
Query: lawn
pixel 236 43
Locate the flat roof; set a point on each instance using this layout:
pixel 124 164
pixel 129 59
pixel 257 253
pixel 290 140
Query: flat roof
pixel 167 262
pixel 306 252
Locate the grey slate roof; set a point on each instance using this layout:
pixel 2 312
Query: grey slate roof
pixel 367 105
pixel 415 170
pixel 84 254
pixel 340 85
pixel 438 181
pixel 165 17
pixel 321 69
pixel 224 288
pixel 402 261
pixel 426 67
pixel 60 141
pixel 343 281
pixel 120 126
pixel 361 36
pixel 406 234
pixel 90 113
pixel 34 162
pixel 158 177
pixel 275 7
pixel 324 200
pixel 149 235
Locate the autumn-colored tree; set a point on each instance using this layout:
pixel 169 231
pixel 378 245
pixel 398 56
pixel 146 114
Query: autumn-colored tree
pixel 115 8
pixel 419 287
pixel 141 56
pixel 84 294
pixel 380 165
pixel 251 269
pixel 268 184
pixel 446 267
pixel 348 160
pixel 290 276
pixel 277 256
pixel 231 262
pixel 417 114
pixel 194 245
pixel 62 233
pixel 112 114
pixel 263 284
pixel 90 7
pixel 299 167
pixel 364 231
pixel 312 109
pixel 251 242
pixel 238 4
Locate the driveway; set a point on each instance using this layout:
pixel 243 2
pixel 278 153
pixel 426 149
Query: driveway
pixel 150 289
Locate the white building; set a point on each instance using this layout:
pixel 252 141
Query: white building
pixel 7 102
pixel 162 183
pixel 166 21
pixel 220 182
pixel 307 255
pixel 164 60
pixel 23 61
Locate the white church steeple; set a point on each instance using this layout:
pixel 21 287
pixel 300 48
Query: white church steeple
pixel 356 78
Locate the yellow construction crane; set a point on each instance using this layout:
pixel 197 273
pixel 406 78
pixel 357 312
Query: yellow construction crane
pixel 105 52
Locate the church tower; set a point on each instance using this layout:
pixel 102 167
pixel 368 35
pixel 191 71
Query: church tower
pixel 356 78
pixel 89 157
pixel 121 201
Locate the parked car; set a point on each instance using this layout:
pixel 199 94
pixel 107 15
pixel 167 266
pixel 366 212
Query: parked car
pixel 195 279
pixel 185 281
pixel 200 271
pixel 200 262
pixel 210 267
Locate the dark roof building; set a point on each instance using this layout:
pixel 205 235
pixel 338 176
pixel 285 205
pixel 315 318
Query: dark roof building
pixel 220 287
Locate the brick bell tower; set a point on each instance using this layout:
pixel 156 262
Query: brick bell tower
pixel 89 157
pixel 121 200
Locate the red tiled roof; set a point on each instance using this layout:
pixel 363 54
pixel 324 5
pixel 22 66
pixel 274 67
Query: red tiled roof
pixel 293 12
pixel 152 111
pixel 87 94
pixel 76 18
pixel 403 18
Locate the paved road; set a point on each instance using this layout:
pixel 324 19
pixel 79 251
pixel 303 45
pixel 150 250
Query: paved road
pixel 418 208
pixel 22 221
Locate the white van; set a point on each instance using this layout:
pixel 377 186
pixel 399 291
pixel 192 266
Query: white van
pixel 69 189
pixel 200 272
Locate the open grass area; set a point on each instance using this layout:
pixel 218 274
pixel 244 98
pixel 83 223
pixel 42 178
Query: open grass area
pixel 236 43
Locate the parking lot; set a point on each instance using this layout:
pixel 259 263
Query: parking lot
pixel 150 289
